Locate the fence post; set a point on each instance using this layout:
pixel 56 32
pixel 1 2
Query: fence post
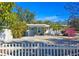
pixel 71 52
pixel 77 51
pixel 31 50
pixel 3 52
pixel 22 49
pixel 25 49
pixel 37 49
pixel 44 49
pixel 28 49
pixel 57 51
pixel 54 52
pixel 67 52
pixel 9 52
pixel 12 49
pixel 63 52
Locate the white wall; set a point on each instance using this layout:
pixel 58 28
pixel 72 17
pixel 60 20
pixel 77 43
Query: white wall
pixel 6 35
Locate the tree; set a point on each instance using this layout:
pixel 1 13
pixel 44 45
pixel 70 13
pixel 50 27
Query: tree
pixel 11 20
pixel 73 9
pixel 47 22
pixel 5 9
pixel 29 16
pixel 25 15
pixel 18 28
pixel 56 26
pixel 74 22
pixel 39 22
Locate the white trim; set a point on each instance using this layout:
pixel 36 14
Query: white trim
pixel 38 25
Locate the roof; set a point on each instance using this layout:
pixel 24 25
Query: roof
pixel 38 25
pixel 64 25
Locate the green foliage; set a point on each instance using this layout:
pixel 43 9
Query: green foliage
pixel 29 16
pixel 25 15
pixel 39 22
pixel 74 22
pixel 11 20
pixel 18 28
pixel 6 6
pixel 17 21
pixel 48 22
pixel 53 25
pixel 56 26
pixel 5 10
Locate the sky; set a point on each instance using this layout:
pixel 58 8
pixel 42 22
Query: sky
pixel 53 11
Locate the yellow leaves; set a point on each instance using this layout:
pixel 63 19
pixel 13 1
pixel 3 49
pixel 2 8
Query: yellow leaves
pixel 12 20
pixel 18 28
pixel 6 6
pixel 1 2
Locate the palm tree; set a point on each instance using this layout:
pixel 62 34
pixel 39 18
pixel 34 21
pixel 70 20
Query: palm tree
pixel 29 16
pixel 25 15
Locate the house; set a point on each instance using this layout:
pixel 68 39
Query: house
pixel 36 29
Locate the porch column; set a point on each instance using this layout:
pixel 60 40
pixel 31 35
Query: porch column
pixel 28 32
pixel 37 30
pixel 44 30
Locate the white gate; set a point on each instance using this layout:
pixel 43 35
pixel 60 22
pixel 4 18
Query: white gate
pixel 37 50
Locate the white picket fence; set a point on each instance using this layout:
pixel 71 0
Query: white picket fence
pixel 36 50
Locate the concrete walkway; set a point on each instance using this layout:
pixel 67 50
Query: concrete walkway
pixel 44 38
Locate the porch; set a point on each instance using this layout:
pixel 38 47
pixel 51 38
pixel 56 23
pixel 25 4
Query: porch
pixel 36 29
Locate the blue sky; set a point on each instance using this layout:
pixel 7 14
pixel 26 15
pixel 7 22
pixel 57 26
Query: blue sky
pixel 53 11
